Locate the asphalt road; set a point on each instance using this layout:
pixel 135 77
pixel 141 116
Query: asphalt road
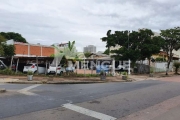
pixel 106 101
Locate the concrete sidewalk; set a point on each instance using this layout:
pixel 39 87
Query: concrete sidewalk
pixel 6 80
pixel 57 80
pixel 156 76
pixel 78 80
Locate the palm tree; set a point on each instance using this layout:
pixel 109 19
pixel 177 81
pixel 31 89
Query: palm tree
pixel 71 45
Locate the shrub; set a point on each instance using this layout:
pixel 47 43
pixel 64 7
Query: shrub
pixel 160 59
pixel 124 73
pixel 94 75
pixel 68 74
pixel 87 75
pixel 20 73
pixel 176 65
pixel 103 73
pixel 29 73
pixel 151 69
pixel 7 71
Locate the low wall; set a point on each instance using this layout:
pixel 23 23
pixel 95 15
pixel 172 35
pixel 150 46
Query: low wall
pixel 161 66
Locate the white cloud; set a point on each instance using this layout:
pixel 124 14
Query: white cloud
pixel 85 21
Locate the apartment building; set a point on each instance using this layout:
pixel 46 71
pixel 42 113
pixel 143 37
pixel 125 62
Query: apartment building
pixel 90 49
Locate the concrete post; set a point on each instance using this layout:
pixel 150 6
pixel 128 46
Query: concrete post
pixel 77 66
pixel 129 68
pixel 56 64
pixel 17 65
pixel 113 67
pixel 11 63
pixel 37 64
pixel 46 67
pixel 84 67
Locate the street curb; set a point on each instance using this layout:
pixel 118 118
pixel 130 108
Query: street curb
pixel 21 82
pixel 49 82
pixel 2 90
pixel 87 82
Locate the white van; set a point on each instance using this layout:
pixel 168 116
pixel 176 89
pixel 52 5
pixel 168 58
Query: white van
pixel 33 67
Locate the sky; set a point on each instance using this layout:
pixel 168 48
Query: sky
pixel 84 21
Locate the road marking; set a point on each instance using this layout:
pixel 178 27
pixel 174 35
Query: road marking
pixel 26 92
pixel 87 112
pixel 30 87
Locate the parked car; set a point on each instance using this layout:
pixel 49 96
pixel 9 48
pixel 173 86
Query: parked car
pixel 33 67
pixel 104 68
pixel 70 68
pixel 53 69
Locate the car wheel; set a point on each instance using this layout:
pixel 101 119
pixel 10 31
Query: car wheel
pixel 61 73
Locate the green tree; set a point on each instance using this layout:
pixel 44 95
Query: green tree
pixel 1 50
pixel 87 54
pixel 135 45
pixel 9 50
pixel 172 40
pixel 6 50
pixel 149 44
pixel 2 39
pixel 106 52
pixel 71 45
pixel 176 65
pixel 70 51
pixel 15 36
pixel 109 40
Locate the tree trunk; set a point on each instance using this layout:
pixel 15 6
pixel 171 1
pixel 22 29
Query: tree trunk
pixel 169 61
pixel 176 70
pixel 149 66
pixel 108 50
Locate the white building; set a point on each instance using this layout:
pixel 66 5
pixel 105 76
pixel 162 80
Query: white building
pixel 90 49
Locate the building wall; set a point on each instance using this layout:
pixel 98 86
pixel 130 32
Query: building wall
pixel 90 48
pixel 21 49
pixel 24 49
pixel 47 51
pixel 35 50
pixel 85 50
